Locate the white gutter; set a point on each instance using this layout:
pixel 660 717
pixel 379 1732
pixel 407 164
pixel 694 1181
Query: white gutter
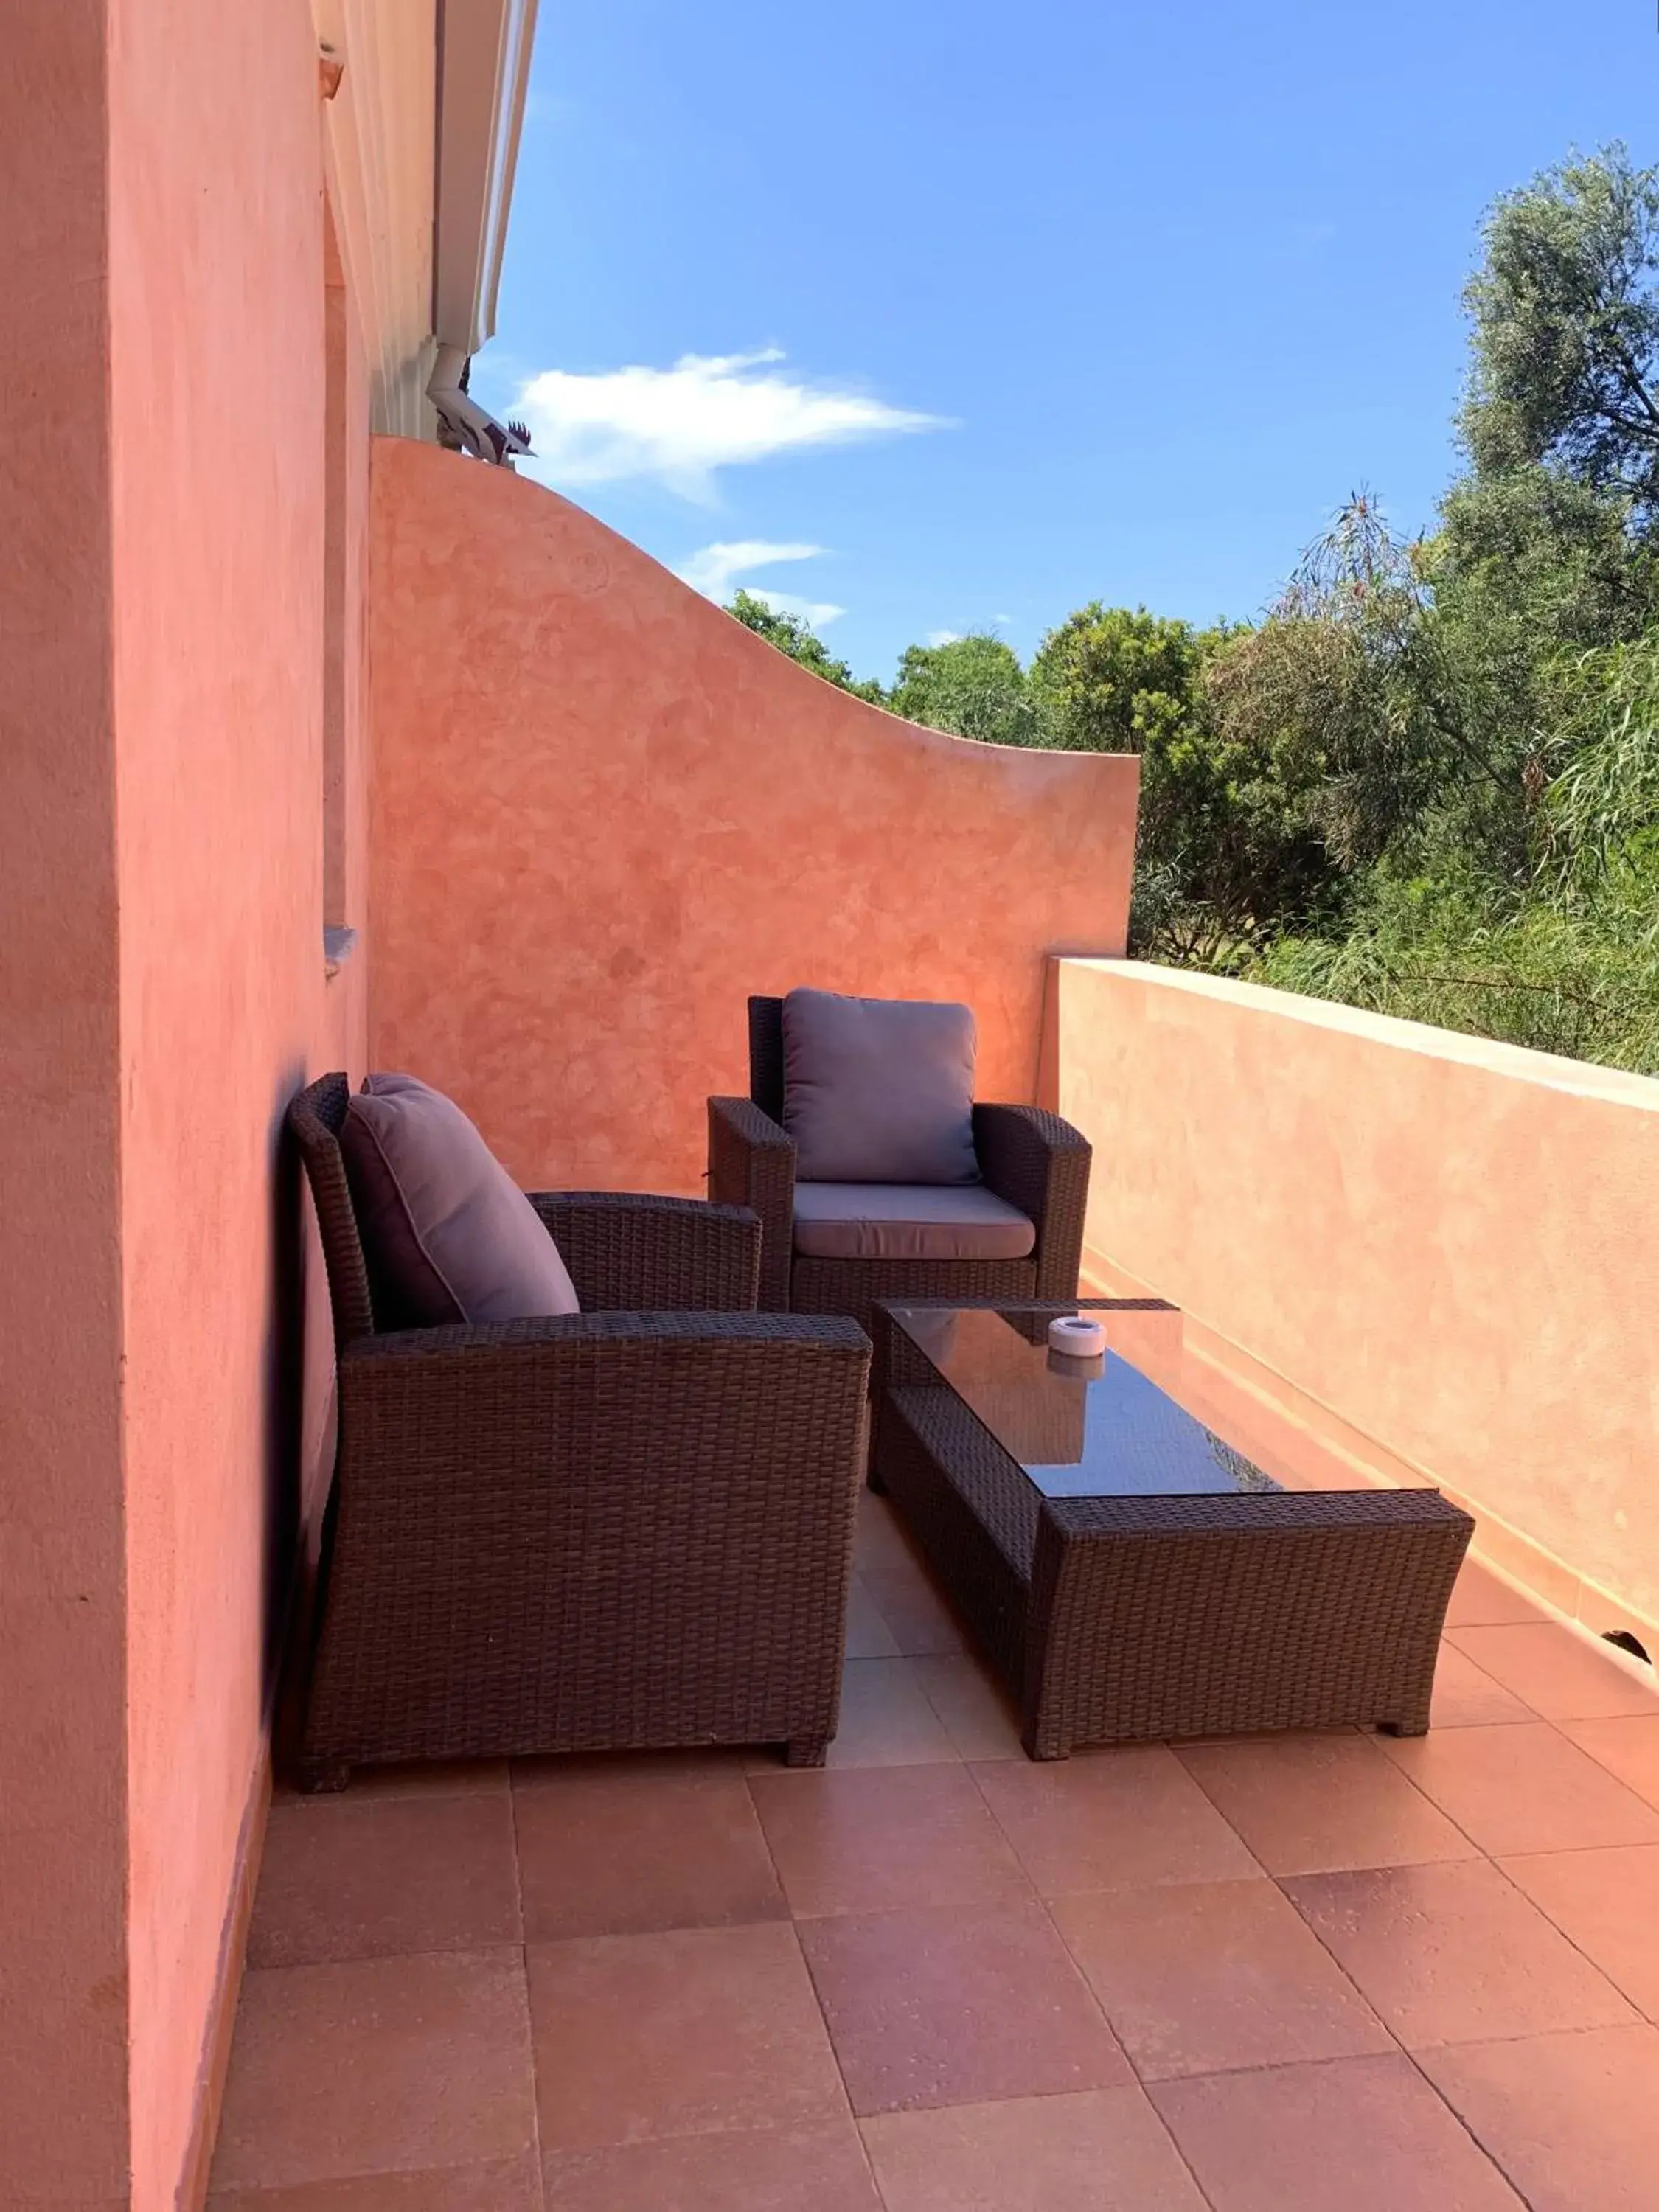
pixel 483 67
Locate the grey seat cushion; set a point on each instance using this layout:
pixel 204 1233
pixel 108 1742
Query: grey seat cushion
pixel 908 1221
pixel 879 1090
pixel 448 1235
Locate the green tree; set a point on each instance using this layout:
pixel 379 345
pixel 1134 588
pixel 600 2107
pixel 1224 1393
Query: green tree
pixel 1112 681
pixel 1302 753
pixel 1529 570
pixel 1602 809
pixel 1565 357
pixel 802 643
pixel 974 685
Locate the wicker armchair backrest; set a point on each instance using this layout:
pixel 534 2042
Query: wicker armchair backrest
pixel 314 1117
pixel 766 1055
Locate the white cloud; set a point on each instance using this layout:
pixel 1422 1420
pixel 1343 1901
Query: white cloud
pixel 944 637
pixel 716 570
pixel 815 613
pixel 680 424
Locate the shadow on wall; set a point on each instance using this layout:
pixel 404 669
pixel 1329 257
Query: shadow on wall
pixel 604 812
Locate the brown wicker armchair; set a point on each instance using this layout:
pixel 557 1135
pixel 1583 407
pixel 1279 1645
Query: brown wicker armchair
pixel 1034 1160
pixel 626 1528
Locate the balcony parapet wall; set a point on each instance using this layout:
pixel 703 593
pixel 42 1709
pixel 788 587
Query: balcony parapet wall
pixel 1441 1250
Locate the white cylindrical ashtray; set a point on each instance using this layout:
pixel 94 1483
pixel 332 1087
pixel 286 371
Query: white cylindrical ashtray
pixel 1077 1336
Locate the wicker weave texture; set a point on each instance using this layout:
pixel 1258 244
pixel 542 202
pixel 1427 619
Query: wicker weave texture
pixel 610 1529
pixel 1123 1620
pixel 857 1287
pixel 630 1252
pixel 752 1163
pixel 314 1120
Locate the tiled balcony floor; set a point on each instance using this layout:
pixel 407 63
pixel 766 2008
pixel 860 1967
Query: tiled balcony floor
pixel 1319 1974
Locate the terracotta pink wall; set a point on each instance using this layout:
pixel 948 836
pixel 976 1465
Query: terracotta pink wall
pixel 217 297
pixel 63 1846
pixel 603 813
pixel 1449 1246
pixel 161 895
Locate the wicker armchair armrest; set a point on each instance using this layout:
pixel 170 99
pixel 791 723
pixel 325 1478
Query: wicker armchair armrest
pixel 628 1252
pixel 486 1402
pixel 1041 1164
pixel 552 1338
pixel 752 1163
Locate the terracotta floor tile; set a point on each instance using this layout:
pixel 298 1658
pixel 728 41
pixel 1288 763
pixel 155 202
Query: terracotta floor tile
pixel 512 2184
pixel 675 1765
pixel 873 1837
pixel 1305 1803
pixel 368 2066
pixel 1196 1978
pixel 1454 1953
pixel 880 1538
pixel 428 1777
pixel 608 1855
pixel 979 1714
pixel 1115 1817
pixel 781 2170
pixel 956 2006
pixel 868 1636
pixel 1465 1696
pixel 1628 1748
pixel 1560 1672
pixel 356 1878
pixel 1099 2150
pixel 1572 2119
pixel 1607 1902
pixel 1521 1789
pixel 885 1719
pixel 1347 2135
pixel 918 1615
pixel 697 2031
pixel 1480 1597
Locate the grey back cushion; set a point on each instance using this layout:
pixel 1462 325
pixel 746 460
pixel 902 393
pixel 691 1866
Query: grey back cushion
pixel 879 1090
pixel 447 1234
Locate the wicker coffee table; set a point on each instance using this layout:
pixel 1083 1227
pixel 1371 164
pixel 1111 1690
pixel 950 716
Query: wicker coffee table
pixel 1133 1573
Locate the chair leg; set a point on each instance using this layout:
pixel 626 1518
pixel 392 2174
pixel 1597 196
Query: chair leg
pixel 805 1750
pixel 1043 1741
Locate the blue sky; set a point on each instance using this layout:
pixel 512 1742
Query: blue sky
pixel 1002 309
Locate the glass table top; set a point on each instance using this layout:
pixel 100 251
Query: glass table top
pixel 1143 1419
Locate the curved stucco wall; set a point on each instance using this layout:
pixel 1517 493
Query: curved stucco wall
pixel 1447 1246
pixel 604 812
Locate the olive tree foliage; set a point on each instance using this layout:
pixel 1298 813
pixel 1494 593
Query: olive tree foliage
pixel 1564 309
pixel 1527 571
